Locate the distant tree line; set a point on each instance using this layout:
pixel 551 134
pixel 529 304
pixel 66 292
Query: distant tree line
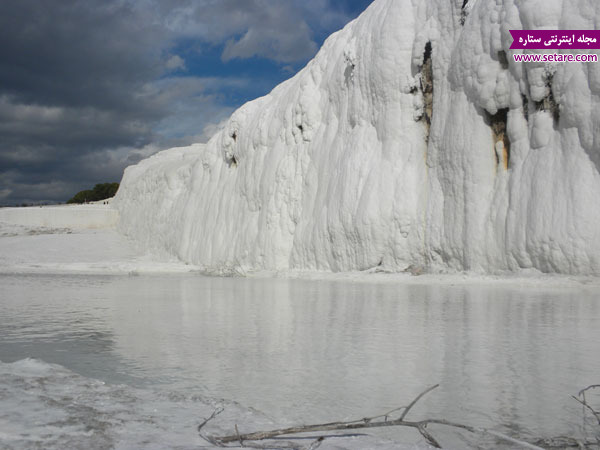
pixel 99 192
pixel 25 205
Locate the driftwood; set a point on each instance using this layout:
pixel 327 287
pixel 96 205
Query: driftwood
pixel 385 420
pixel 249 439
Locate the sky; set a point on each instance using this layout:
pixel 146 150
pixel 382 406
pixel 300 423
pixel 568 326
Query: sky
pixel 88 87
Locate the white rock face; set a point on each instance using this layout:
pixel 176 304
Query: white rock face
pixel 338 169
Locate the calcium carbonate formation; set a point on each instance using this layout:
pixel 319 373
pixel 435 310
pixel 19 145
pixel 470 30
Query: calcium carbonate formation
pixel 413 140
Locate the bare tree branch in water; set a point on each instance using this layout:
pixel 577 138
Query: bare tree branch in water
pixel 584 402
pixel 563 442
pixel 248 439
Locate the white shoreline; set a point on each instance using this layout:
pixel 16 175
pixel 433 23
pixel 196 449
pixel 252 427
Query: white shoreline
pixel 82 240
pixel 87 216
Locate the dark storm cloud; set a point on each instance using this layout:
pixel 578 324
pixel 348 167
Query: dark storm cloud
pixel 76 54
pixel 90 86
pixel 72 80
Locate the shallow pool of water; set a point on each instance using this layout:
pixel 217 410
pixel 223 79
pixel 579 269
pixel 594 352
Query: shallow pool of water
pixel 507 357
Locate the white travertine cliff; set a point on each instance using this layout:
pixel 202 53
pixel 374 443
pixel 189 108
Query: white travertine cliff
pixel 412 140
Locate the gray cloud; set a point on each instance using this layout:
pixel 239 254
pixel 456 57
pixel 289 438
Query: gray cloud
pixel 275 30
pixel 264 43
pixel 88 87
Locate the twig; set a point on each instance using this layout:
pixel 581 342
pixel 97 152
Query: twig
pixel 586 405
pixel 414 402
pixel 384 415
pixel 215 413
pixel 428 437
pixel 208 437
pixel 405 408
pixel 237 432
pixel 593 386
pixel 316 444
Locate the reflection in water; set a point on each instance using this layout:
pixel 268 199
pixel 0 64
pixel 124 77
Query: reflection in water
pixel 316 350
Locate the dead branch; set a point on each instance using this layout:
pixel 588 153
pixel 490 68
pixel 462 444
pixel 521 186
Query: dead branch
pixel 280 444
pixel 367 422
pixel 215 413
pixel 584 402
pixel 583 391
pixel 428 437
pixel 337 426
pixel 274 446
pixel 414 402
pixel 316 444
pixel 208 437
pixel 249 439
pixel 586 405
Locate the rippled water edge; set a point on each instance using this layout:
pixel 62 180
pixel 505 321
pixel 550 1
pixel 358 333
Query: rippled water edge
pixel 507 357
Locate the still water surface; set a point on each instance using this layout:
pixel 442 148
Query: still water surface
pixel 507 357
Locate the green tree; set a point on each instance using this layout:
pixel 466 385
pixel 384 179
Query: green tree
pixel 99 192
